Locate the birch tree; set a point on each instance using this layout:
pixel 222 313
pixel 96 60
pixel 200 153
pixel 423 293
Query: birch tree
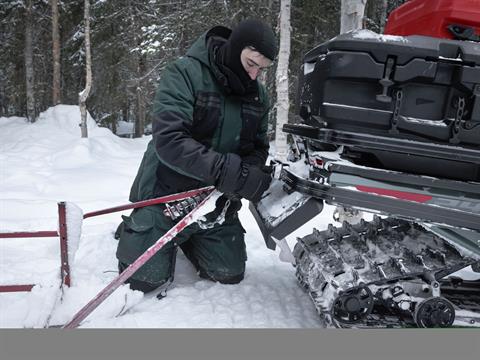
pixel 55 53
pixel 29 72
pixel 282 81
pixel 88 64
pixel 352 15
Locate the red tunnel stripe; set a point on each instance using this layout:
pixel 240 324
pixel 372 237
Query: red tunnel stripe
pixel 397 194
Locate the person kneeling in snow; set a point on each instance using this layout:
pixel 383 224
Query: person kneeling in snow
pixel 209 128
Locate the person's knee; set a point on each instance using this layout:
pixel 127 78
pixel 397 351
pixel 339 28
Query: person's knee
pixel 222 278
pixel 233 279
pixel 141 285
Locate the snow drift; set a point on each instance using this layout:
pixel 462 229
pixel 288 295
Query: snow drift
pixel 47 162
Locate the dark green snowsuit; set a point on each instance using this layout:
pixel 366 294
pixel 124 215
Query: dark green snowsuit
pixel 196 120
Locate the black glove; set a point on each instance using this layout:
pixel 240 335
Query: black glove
pixel 254 182
pixel 246 180
pixel 234 207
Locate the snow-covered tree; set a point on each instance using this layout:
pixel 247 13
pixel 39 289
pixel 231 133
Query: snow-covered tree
pixel 129 53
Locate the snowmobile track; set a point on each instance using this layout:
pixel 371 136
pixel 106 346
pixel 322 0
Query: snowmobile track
pixel 358 275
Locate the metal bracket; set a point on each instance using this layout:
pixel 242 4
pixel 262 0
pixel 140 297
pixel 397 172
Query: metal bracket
pixel 396 111
pixel 455 128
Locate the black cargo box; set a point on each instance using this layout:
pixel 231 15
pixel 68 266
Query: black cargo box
pixel 417 88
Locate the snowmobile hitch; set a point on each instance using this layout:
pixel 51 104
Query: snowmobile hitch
pixel 197 195
pixel 132 268
pixel 160 200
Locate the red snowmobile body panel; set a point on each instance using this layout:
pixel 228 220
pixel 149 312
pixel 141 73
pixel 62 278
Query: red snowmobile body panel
pixel 433 18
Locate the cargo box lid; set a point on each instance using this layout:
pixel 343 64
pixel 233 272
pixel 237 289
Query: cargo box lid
pixel 403 48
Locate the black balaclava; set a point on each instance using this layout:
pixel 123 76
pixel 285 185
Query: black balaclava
pixel 251 32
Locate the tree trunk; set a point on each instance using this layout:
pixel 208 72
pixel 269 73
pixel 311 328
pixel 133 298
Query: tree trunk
pixel 352 12
pixel 114 123
pixel 29 71
pixel 125 110
pixel 283 103
pixel 352 15
pixel 55 53
pixel 140 115
pixel 140 69
pixel 88 84
pixel 383 15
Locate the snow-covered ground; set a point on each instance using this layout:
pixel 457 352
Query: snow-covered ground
pixel 47 162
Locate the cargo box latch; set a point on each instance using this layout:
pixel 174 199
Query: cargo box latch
pixel 386 81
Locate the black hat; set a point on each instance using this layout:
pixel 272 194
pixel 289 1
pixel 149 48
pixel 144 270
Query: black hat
pixel 251 32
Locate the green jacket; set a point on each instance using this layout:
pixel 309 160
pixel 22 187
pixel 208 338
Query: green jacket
pixel 196 120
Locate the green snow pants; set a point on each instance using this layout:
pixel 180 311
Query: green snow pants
pixel 218 253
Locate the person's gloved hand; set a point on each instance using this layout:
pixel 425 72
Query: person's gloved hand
pixel 255 182
pixel 246 180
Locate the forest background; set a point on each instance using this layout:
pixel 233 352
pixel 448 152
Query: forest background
pixel 131 42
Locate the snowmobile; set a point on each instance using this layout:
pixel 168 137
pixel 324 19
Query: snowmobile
pixel 388 125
